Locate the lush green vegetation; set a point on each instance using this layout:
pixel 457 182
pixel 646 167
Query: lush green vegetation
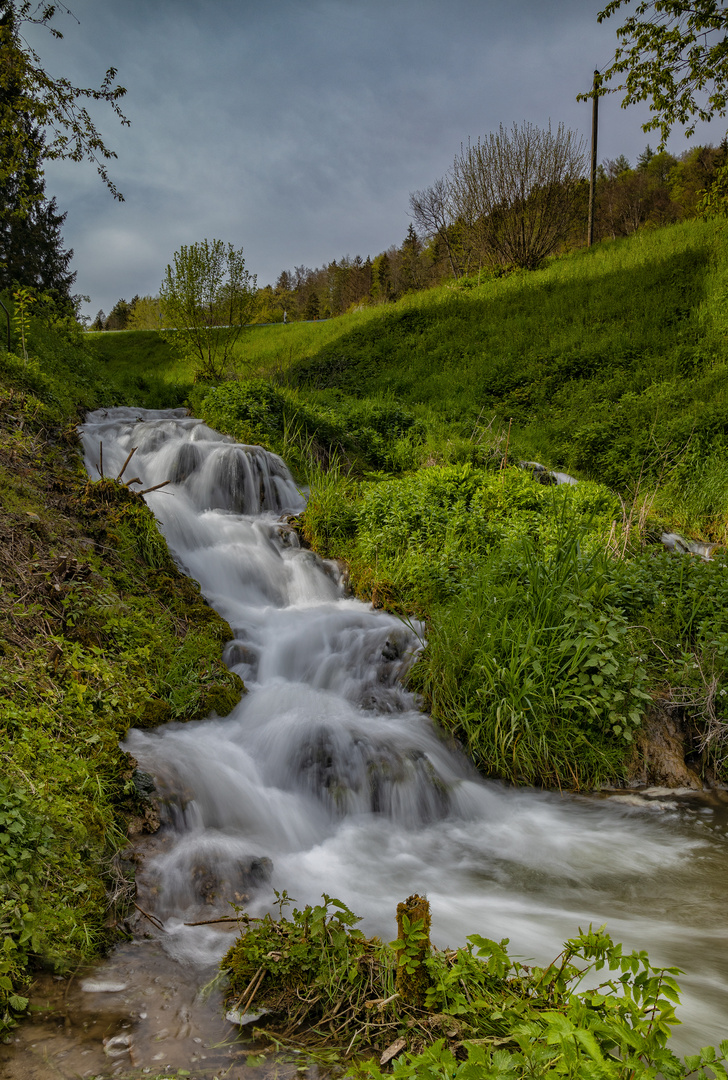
pixel 554 618
pixel 594 1011
pixel 98 631
pixel 142 367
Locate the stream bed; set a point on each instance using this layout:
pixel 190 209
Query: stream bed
pixel 326 778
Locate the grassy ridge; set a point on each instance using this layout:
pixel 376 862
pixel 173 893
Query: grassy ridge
pixel 607 362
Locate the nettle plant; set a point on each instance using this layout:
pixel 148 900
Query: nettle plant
pixel 595 1013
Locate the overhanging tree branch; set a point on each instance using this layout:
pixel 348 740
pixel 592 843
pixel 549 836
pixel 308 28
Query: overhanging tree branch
pixel 56 106
pixel 673 55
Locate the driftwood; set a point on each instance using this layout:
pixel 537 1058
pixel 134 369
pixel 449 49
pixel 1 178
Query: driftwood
pixel 129 456
pixel 154 921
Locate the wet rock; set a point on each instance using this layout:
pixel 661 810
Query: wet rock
pixel 288 536
pixel 145 823
pixel 102 986
pixel 539 472
pixel 390 650
pixel 235 1016
pixel 117 1046
pixel 187 461
pixel 676 542
pixel 143 783
pixel 226 882
pixel 257 871
pixel 661 746
pixel 236 653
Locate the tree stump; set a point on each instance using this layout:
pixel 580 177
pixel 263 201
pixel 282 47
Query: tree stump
pixel 413 930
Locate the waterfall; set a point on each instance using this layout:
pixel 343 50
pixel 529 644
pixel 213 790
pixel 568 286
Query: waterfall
pixel 327 778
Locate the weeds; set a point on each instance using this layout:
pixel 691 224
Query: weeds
pixel 98 630
pixel 594 1011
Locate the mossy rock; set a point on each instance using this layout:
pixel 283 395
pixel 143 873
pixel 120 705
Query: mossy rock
pixel 223 699
pixel 154 712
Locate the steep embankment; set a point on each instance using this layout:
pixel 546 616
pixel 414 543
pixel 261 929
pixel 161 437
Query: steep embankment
pixel 557 624
pixel 610 362
pixel 98 632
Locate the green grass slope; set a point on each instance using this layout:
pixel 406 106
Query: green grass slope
pixel 556 623
pixel 609 363
pixel 98 632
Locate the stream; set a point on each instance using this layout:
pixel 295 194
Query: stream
pixel 327 779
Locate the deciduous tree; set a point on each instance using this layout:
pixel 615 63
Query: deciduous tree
pixel 32 100
pixel 517 191
pixel 432 212
pixel 674 55
pixel 207 295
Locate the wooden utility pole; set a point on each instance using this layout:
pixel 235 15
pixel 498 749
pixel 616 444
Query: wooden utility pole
pixel 593 171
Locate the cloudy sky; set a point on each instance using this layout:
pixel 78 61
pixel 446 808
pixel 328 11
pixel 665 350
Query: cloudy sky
pixel 297 128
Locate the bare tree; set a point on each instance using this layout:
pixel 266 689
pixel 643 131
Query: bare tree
pixel 517 191
pixel 432 211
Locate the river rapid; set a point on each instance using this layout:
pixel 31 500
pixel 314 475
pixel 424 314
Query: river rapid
pixel 327 778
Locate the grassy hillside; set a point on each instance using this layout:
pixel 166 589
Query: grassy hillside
pixel 555 619
pixel 610 363
pixel 98 632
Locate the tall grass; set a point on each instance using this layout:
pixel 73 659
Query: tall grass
pixel 531 666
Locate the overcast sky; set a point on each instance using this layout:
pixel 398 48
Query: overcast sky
pixel 297 128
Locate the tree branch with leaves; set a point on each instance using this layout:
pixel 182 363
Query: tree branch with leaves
pixel 674 55
pixel 31 99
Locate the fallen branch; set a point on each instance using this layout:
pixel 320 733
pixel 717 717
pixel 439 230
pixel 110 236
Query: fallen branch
pixel 156 486
pixel 152 919
pixel 129 456
pixel 223 918
pixel 257 979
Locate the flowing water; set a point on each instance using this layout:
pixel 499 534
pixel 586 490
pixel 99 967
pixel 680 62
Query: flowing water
pixel 326 777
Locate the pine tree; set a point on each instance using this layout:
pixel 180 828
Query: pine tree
pixel 31 245
pixel 410 250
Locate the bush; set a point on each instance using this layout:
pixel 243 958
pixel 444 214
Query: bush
pixel 330 990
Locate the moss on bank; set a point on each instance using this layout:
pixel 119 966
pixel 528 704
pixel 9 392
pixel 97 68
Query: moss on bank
pixel 99 631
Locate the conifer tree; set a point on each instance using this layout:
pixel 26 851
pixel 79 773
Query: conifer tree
pixel 31 245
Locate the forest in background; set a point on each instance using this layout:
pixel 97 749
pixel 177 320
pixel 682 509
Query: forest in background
pixel 659 189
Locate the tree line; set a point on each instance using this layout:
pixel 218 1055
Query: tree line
pixel 510 199
pixel 450 241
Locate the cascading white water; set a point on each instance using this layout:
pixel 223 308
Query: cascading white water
pixel 326 778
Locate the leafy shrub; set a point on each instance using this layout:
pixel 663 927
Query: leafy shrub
pixel 376 433
pixel 532 666
pixel 484 1015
